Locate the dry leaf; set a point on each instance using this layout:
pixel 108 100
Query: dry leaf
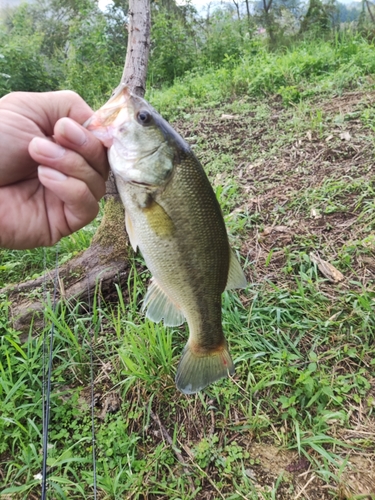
pixel 329 138
pixel 278 229
pixel 110 404
pixel 367 262
pixel 314 214
pixel 345 136
pixel 309 135
pixel 358 479
pixel 228 117
pixel 327 269
pixel 281 229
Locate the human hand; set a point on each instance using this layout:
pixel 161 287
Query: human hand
pixel 47 189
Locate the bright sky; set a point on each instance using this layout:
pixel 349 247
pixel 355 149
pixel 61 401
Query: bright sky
pixel 103 4
pixel 197 3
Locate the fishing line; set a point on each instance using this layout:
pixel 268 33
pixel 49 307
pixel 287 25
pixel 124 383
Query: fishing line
pixel 93 439
pixel 44 380
pixel 47 380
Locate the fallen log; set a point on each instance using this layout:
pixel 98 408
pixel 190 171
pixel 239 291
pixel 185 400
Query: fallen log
pixel 103 265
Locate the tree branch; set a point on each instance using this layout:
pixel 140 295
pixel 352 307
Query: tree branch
pixel 135 69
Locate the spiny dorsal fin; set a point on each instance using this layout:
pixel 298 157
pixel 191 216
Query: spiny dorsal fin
pixel 159 306
pixel 236 276
pixel 130 231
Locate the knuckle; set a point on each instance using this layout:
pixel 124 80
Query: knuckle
pixel 82 192
pixel 70 95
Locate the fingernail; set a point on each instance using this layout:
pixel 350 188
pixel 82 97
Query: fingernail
pixel 47 148
pixel 72 131
pixel 51 173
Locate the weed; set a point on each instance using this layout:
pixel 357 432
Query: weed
pixel 303 347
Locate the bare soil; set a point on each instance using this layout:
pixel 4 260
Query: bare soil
pixel 275 162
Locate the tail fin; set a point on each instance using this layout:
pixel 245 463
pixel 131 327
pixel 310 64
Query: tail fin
pixel 196 372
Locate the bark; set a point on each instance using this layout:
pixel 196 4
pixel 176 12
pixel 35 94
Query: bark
pixel 248 13
pixel 99 268
pixel 317 17
pixel 135 69
pixel 237 9
pixel 134 74
pixel 369 11
pixel 105 262
pixel 267 6
pixel 269 23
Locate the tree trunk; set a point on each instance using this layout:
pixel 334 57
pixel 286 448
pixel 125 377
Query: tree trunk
pixel 369 11
pixel 237 9
pixel 316 18
pixel 248 14
pixel 269 22
pixel 105 262
pixel 135 68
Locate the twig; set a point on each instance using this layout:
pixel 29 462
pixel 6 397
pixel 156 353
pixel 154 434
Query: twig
pixel 304 488
pixel 202 471
pixel 241 495
pixel 212 428
pixel 169 440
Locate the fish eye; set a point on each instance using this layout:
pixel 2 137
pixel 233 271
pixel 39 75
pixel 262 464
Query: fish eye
pixel 144 117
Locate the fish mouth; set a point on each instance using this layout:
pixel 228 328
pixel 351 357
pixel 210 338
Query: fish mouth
pixel 143 184
pixel 133 154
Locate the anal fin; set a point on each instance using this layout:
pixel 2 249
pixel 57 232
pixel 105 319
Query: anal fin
pixel 159 306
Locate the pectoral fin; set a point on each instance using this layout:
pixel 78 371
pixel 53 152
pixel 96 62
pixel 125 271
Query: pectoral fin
pixel 159 306
pixel 158 219
pixel 236 276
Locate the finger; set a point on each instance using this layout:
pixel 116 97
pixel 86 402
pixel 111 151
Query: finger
pixel 67 162
pixel 79 204
pixel 71 135
pixel 46 108
pixel 69 103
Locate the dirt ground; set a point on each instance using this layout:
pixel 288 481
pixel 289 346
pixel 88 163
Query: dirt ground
pixel 274 162
pixel 272 174
pixel 337 147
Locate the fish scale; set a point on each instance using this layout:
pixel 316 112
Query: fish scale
pixel 174 218
pixel 199 268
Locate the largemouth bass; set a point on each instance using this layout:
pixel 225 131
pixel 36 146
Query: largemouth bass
pixel 173 217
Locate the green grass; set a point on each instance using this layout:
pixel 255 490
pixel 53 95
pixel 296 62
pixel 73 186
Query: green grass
pixel 303 347
pixel 295 74
pixel 289 347
pixel 21 265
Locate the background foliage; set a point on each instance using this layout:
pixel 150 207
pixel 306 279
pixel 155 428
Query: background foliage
pixel 49 45
pixel 292 166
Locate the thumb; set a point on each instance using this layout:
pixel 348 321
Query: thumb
pixel 77 206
